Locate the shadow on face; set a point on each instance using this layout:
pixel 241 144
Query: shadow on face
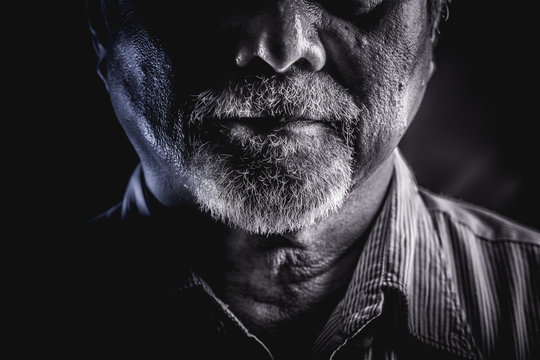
pixel 265 95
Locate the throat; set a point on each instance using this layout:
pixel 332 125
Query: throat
pixel 280 291
pixel 284 287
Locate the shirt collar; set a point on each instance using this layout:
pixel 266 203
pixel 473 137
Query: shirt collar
pixel 404 256
pixel 137 198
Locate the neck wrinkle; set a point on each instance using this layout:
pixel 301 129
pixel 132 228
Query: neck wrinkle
pixel 290 284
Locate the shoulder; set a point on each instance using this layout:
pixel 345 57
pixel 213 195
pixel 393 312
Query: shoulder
pixel 485 248
pixel 478 222
pixel 494 263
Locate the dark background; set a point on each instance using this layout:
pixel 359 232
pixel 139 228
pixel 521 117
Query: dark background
pixel 475 136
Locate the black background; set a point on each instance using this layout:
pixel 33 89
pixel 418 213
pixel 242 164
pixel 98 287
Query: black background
pixel 475 136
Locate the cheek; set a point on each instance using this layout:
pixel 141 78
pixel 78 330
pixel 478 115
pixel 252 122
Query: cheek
pixel 140 83
pixel 386 70
pixel 143 71
pixel 140 77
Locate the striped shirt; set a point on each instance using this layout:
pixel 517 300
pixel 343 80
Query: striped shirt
pixel 436 278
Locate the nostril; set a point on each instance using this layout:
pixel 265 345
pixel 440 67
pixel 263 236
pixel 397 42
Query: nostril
pixel 256 66
pixel 304 64
pixel 274 44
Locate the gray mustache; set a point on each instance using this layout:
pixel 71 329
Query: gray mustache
pixel 308 95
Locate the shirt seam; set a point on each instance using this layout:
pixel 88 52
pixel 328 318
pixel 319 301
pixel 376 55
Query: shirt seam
pixel 494 240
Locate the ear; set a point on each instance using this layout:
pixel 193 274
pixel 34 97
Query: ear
pixel 432 68
pixel 99 33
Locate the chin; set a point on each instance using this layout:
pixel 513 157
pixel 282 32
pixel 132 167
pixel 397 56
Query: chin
pixel 271 184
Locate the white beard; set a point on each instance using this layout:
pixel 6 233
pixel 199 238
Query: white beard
pixel 281 184
pixel 273 182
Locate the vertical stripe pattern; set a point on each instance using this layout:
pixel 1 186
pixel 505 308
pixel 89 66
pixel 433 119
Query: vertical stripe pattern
pixel 470 277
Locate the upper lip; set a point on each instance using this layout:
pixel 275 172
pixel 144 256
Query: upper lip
pixel 271 119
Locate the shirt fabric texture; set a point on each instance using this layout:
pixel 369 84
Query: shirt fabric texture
pixel 436 278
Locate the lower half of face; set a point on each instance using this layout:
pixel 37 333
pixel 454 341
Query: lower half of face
pixel 267 154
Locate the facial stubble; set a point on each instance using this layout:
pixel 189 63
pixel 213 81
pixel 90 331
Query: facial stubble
pixel 278 181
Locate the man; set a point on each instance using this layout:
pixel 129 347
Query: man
pixel 271 215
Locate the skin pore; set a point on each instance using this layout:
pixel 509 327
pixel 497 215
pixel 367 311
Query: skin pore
pixel 279 276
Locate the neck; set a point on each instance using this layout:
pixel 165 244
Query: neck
pixel 290 283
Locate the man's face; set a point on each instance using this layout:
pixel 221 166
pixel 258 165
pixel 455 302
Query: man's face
pixel 268 112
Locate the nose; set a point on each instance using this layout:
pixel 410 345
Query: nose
pixel 283 36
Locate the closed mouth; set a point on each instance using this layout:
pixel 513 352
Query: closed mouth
pixel 267 124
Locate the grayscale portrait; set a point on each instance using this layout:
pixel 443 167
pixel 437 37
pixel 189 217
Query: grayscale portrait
pixel 304 179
